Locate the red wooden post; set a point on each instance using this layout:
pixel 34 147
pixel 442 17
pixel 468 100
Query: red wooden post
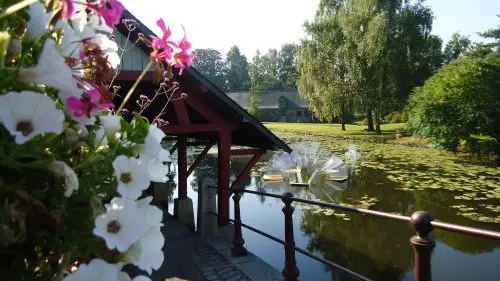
pixel 238 240
pixel 224 193
pixel 290 272
pixel 182 167
pixel 422 245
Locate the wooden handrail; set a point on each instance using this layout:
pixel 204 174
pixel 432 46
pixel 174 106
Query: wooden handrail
pixel 422 243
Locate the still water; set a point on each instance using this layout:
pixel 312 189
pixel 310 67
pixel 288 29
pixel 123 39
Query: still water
pixel 376 248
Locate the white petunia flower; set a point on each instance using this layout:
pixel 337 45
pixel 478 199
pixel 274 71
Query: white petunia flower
pixel 141 278
pixel 97 24
pixel 153 214
pixel 122 276
pixel 62 169
pixel 28 114
pixel 52 71
pixel 100 138
pixel 83 29
pixel 122 225
pixel 156 169
pixel 39 19
pixel 96 270
pixel 147 253
pixel 72 41
pixel 109 47
pixel 111 125
pixel 164 155
pixel 152 142
pixel 132 176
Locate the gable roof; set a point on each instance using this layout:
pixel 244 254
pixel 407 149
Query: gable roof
pixel 270 99
pixel 251 132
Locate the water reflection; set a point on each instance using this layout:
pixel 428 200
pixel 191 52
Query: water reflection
pixel 376 248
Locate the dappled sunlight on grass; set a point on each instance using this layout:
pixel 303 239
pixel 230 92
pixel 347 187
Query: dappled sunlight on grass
pixel 388 130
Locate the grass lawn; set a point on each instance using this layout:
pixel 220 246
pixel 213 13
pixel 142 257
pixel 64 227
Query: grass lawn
pixel 388 130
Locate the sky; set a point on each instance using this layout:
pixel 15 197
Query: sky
pixel 264 24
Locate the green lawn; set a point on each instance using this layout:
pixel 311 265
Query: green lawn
pixel 388 130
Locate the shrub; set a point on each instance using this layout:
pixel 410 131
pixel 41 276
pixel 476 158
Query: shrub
pixel 396 117
pixel 461 99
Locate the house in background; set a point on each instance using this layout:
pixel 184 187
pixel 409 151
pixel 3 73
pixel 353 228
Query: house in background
pixel 277 105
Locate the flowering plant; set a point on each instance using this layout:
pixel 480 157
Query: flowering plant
pixel 72 170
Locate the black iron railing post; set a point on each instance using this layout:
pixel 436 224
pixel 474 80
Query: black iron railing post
pixel 238 250
pixel 290 272
pixel 422 245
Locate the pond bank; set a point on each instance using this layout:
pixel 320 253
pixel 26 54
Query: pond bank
pixel 405 141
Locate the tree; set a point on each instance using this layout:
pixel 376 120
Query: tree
pixel 493 34
pixel 210 63
pixel 268 67
pixel 413 54
pixel 340 63
pixel 237 76
pixel 287 66
pixel 461 99
pixel 253 104
pixel 322 69
pixel 456 47
pixel 257 83
pixel 383 48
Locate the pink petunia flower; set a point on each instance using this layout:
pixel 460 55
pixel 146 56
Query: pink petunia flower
pixel 183 54
pixel 162 47
pixel 89 103
pixel 68 9
pixel 109 10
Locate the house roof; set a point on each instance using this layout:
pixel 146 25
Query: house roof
pixel 271 99
pixel 250 131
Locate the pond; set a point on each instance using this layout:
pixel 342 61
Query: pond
pixel 390 178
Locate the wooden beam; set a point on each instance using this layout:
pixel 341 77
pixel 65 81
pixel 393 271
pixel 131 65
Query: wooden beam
pixel 181 112
pixel 174 148
pixel 246 171
pixel 200 157
pixel 223 172
pixel 197 128
pixel 182 168
pixel 245 151
pixel 205 111
pixel 132 75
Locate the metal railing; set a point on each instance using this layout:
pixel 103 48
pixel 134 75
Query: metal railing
pixel 420 221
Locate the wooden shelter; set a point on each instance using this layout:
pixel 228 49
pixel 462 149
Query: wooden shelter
pixel 198 110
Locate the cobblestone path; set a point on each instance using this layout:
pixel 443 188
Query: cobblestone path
pixel 189 257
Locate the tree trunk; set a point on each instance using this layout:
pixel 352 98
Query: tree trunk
pixel 342 116
pixel 369 118
pixel 497 148
pixel 377 122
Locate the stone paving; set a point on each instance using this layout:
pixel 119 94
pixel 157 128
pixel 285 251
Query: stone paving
pixel 190 257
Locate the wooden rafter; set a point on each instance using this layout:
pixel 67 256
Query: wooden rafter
pixel 200 157
pixel 246 171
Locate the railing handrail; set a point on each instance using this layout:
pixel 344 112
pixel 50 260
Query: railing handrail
pixel 302 251
pixel 490 234
pixel 422 244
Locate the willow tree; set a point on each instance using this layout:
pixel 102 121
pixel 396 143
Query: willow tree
pixel 322 76
pixel 365 30
pixel 341 58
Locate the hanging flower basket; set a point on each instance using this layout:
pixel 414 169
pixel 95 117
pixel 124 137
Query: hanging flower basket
pixel 72 171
